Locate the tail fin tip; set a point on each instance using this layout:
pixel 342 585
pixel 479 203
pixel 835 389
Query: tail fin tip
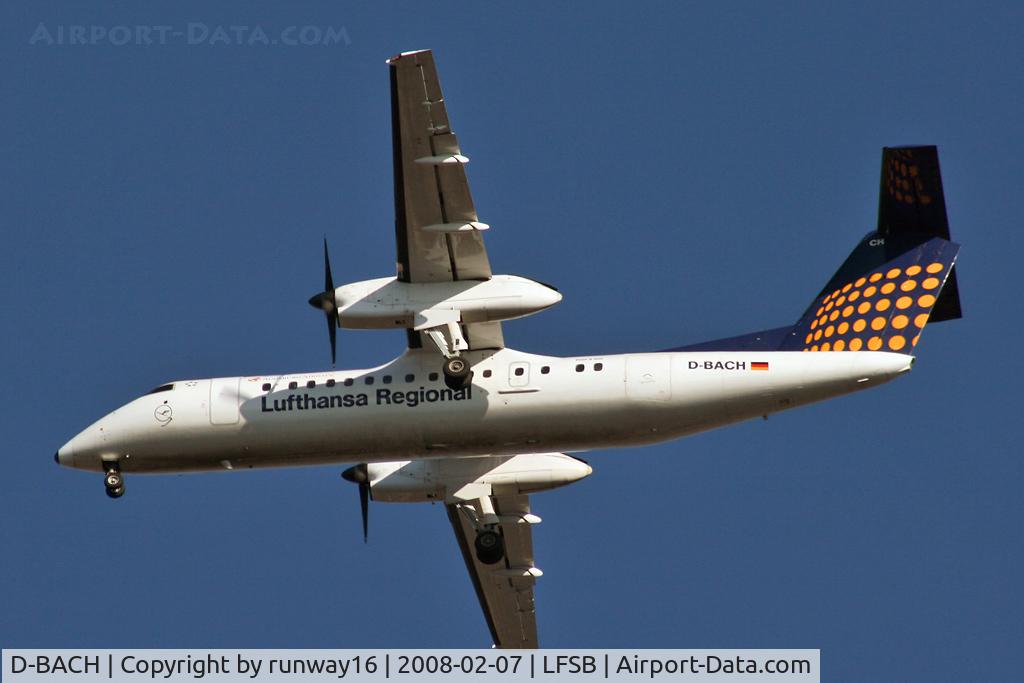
pixel 899 277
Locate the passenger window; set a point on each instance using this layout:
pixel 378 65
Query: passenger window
pixel 433 377
pixel 519 372
pixel 487 373
pixel 330 382
pixel 293 385
pixel 599 366
pixel 266 387
pixel 410 378
pixel 386 379
pixel 369 379
pixel 349 381
pixel 579 367
pixel 545 369
pixel 310 384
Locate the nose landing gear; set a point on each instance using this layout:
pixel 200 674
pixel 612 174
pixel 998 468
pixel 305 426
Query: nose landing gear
pixel 113 480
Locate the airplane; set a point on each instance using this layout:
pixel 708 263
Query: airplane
pixel 461 419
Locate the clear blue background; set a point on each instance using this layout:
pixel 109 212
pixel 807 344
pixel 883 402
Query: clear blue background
pixel 680 171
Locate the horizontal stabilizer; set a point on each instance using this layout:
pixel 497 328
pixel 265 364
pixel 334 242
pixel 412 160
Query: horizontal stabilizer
pixel 882 309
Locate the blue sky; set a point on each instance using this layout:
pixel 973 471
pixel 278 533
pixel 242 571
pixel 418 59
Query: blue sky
pixel 680 171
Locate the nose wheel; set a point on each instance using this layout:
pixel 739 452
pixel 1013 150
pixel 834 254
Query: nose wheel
pixel 113 480
pixel 457 373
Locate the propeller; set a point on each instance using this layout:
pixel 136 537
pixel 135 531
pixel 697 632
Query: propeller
pixel 359 475
pixel 326 302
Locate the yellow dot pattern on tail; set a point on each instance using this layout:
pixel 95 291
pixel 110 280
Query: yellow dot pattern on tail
pixel 883 307
pixel 882 321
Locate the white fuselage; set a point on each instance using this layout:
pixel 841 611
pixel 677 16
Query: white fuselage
pixel 518 403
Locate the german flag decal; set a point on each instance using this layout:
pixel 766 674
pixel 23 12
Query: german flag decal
pixel 756 365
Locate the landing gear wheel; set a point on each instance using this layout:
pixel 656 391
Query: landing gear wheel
pixel 113 480
pixel 457 373
pixel 490 547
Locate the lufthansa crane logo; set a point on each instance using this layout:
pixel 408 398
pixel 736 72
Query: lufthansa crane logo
pixel 163 414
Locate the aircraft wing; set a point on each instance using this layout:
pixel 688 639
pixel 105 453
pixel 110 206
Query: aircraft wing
pixel 438 235
pixel 437 231
pixel 505 589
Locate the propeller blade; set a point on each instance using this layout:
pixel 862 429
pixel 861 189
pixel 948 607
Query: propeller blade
pixel 326 302
pixel 328 280
pixel 332 331
pixel 358 475
pixel 364 507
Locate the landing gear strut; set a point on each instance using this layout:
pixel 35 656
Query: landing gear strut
pixel 113 480
pixel 457 373
pixel 489 543
pixel 489 546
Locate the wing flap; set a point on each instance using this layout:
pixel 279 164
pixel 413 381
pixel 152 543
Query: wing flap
pixel 484 336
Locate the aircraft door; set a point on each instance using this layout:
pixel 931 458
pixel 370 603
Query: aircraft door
pixel 224 399
pixel 518 374
pixel 649 377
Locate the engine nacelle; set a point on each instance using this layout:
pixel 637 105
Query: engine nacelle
pixel 452 479
pixel 387 303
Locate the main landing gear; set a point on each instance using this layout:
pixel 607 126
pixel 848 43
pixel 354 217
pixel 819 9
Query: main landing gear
pixel 113 480
pixel 489 543
pixel 489 546
pixel 457 373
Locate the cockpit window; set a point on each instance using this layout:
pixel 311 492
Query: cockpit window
pixel 162 387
